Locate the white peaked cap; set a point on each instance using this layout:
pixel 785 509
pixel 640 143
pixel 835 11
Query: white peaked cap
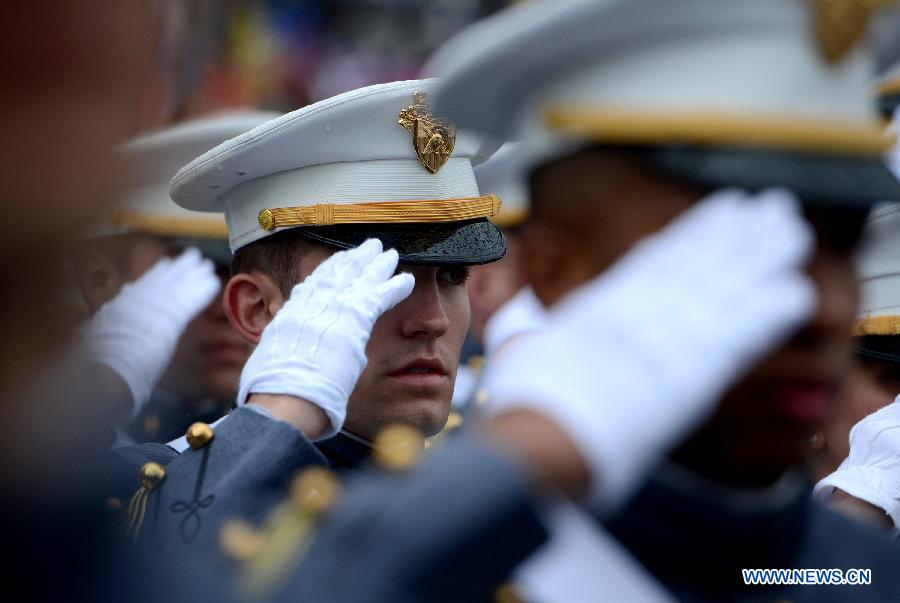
pixel 878 265
pixel 343 155
pixel 769 75
pixel 503 175
pixel 150 161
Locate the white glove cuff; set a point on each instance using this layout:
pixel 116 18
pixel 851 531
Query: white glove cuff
pixel 280 383
pixel 863 483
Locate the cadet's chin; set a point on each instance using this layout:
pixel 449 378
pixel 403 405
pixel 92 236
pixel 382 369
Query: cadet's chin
pixel 427 416
pixel 754 455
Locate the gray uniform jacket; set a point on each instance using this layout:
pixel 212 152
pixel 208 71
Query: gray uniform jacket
pixel 450 531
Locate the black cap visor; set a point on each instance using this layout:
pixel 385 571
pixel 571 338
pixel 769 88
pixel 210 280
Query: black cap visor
pixel 816 178
pixel 885 348
pixel 465 242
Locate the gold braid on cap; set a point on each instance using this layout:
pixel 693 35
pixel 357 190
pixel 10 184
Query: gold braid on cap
pixel 381 212
pixel 877 325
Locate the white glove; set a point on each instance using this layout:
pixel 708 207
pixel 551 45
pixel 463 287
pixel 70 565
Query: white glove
pixel 871 472
pixel 315 347
pixel 637 357
pixel 136 332
pixel 522 314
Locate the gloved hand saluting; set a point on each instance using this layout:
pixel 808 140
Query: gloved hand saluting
pixel 630 362
pixel 136 332
pixel 871 472
pixel 315 347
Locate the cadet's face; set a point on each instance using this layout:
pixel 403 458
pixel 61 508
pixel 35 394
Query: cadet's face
pixel 492 285
pixel 209 357
pixel 765 422
pixel 413 352
pixel 210 354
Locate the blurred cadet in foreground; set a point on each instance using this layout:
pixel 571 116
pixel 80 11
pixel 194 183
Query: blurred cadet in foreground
pixel 198 377
pixel 73 76
pixel 502 307
pixel 635 111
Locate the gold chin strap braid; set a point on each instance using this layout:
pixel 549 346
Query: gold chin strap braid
pixel 383 212
pixel 151 474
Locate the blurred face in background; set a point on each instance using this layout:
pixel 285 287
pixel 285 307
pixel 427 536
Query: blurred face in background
pixel 767 421
pixel 210 355
pixel 592 206
pixel 492 285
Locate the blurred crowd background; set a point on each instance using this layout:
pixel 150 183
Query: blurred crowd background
pixel 284 54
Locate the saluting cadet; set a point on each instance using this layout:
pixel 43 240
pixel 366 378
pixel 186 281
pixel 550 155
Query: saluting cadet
pixel 631 112
pixel 373 162
pixel 199 381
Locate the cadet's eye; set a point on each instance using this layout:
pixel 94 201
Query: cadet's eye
pixel 453 275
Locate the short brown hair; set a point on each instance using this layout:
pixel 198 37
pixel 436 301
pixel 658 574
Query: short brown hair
pixel 275 256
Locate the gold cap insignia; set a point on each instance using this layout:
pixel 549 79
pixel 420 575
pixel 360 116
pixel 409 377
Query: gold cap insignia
pixel 433 138
pixel 840 24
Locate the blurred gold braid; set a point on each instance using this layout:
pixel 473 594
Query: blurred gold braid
pixel 840 24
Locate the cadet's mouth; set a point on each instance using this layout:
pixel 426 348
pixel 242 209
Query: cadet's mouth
pixel 802 403
pixel 423 372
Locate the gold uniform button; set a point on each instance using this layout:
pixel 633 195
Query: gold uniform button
pixel 199 435
pixel 239 540
pixel 152 425
pixel 398 447
pixel 151 475
pixel 266 220
pixel 508 593
pixel 315 490
pixel 454 421
pixel 475 363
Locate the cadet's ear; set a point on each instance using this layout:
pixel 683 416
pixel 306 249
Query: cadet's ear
pixel 251 301
pixel 99 277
